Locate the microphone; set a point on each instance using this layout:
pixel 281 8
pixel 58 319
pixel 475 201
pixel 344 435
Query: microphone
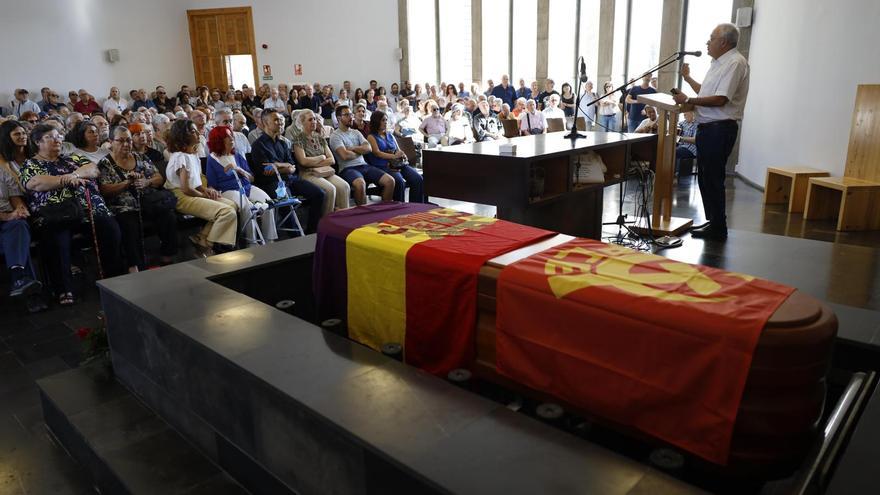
pixel 583 71
pixel 697 53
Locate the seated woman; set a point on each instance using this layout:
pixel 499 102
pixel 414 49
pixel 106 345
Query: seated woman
pixel 86 138
pixel 408 122
pixel 388 157
pixel 59 187
pixel 459 129
pixel 127 181
pixel 370 96
pixel 361 119
pixel 184 179
pixel 531 121
pixel 15 236
pixel 224 163
pixel 433 126
pixel 312 154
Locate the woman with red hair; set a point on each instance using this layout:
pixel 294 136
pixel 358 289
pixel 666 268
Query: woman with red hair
pixel 224 164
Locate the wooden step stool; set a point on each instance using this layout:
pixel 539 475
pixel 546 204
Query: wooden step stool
pixel 789 185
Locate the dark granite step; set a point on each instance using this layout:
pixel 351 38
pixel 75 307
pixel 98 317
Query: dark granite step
pixel 120 442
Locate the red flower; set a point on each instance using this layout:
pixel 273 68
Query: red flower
pixel 83 332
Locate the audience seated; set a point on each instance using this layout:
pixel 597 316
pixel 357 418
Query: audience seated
pixel 22 104
pixel 229 173
pixel 486 123
pixel 86 139
pixel 350 146
pixel 387 156
pixel 273 161
pixel 127 182
pixel 114 101
pixel 433 126
pixel 458 129
pixel 551 108
pixel 184 178
pixel 15 236
pixel 687 142
pixel 504 91
pixel 531 121
pixel 63 198
pixel 566 100
pixel 648 125
pixel 312 153
pixel 408 122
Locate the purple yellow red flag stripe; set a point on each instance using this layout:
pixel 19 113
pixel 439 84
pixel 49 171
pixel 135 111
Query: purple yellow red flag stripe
pixel 406 273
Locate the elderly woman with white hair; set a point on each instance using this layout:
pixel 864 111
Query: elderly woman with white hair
pixel 408 122
pixel 459 129
pixel 315 161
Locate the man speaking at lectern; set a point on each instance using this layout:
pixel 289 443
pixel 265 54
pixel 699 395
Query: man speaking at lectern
pixel 719 104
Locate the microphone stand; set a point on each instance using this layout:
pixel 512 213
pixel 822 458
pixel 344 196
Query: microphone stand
pixel 574 134
pixel 675 57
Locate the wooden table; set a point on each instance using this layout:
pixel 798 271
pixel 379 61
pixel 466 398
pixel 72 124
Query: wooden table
pixel 480 173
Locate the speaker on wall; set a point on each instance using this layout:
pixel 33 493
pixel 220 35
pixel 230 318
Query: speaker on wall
pixel 113 55
pixel 743 17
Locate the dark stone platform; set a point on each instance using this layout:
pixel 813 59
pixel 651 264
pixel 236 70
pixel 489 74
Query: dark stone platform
pixel 284 406
pixel 121 443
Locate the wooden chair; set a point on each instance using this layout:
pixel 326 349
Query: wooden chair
pixel 854 198
pixel 409 148
pixel 555 125
pixel 581 123
pixel 789 186
pixel 511 128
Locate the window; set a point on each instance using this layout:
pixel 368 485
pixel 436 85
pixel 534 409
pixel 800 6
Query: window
pixel 422 41
pixel 455 41
pixel 525 35
pixel 618 69
pixel 496 39
pixel 561 50
pixel 644 37
pixel 702 17
pixel 589 39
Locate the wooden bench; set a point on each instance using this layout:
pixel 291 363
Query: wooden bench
pixel 855 197
pixel 789 185
pixel 854 202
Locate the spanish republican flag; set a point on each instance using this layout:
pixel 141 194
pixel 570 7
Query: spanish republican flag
pixel 407 273
pixel 638 339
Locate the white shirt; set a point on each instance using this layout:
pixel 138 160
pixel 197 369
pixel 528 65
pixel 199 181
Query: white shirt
pixel 728 76
pixel 553 113
pixel 115 105
pixel 241 143
pixel 20 107
pixel 193 168
pixel 276 103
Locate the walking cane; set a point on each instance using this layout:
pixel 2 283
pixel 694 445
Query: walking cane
pixel 94 232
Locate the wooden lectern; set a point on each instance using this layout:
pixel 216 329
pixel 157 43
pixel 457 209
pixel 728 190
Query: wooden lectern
pixel 662 221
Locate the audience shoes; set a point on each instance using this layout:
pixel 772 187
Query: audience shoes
pixel 25 287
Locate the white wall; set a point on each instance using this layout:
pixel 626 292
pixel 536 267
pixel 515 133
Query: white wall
pixel 806 59
pixel 61 43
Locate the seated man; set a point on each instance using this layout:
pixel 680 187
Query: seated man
pixel 15 237
pixel 687 140
pixel 271 155
pixel 350 146
pixel 486 124
pixel 649 125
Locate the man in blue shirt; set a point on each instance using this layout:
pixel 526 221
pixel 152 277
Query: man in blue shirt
pixel 505 91
pixel 523 91
pixel 271 152
pixel 634 117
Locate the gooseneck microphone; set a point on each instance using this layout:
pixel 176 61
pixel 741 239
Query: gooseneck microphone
pixel 583 71
pixel 697 53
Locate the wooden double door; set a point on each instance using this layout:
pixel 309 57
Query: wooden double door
pixel 215 34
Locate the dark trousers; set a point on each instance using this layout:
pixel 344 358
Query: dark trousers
pixel 714 143
pixel 314 197
pixel 406 176
pixel 164 220
pixel 682 153
pixel 56 243
pixel 132 239
pixel 15 243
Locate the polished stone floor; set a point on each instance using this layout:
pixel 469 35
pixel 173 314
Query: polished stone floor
pixel 840 268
